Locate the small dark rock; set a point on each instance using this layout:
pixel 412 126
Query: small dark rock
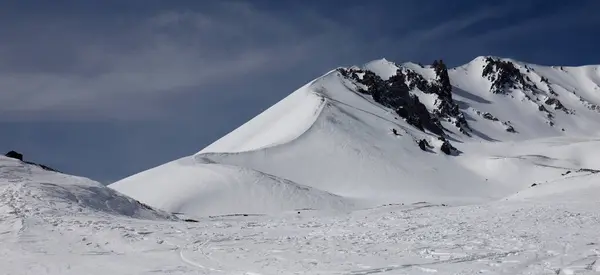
pixel 190 220
pixel 423 144
pixel 14 155
pixel 535 184
pixel 489 117
pixel 448 149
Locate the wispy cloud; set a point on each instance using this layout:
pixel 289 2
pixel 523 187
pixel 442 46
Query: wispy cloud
pixel 126 72
pixel 456 25
pixel 437 33
pixel 125 67
pixel 545 23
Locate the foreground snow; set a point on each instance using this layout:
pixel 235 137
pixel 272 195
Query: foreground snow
pixel 548 229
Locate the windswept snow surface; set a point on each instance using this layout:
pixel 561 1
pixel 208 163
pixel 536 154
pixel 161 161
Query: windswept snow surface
pixel 551 228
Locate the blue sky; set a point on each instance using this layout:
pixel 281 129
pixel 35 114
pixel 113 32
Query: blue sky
pixel 105 89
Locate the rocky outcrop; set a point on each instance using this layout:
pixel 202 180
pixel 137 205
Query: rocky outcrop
pixel 554 102
pixel 447 148
pixel 424 145
pixel 508 127
pixel 504 76
pixel 394 94
pixel 14 155
pixel 447 107
pixel 19 156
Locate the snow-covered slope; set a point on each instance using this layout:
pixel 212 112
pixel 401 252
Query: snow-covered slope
pixel 30 190
pixel 352 137
pixel 195 187
pixel 558 98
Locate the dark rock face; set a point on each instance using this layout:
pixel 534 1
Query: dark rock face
pixel 394 93
pixel 557 104
pixel 14 155
pixel 415 80
pixel 504 75
pixel 444 89
pixel 447 106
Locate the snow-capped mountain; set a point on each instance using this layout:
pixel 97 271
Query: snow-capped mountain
pixel 492 167
pixel 385 133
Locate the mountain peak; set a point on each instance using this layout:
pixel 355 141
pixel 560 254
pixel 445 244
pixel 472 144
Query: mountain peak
pixel 378 133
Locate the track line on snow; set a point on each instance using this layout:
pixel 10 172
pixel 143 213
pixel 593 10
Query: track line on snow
pixel 470 258
pixel 200 248
pixel 195 264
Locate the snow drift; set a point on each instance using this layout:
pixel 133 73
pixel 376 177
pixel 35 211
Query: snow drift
pixel 198 187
